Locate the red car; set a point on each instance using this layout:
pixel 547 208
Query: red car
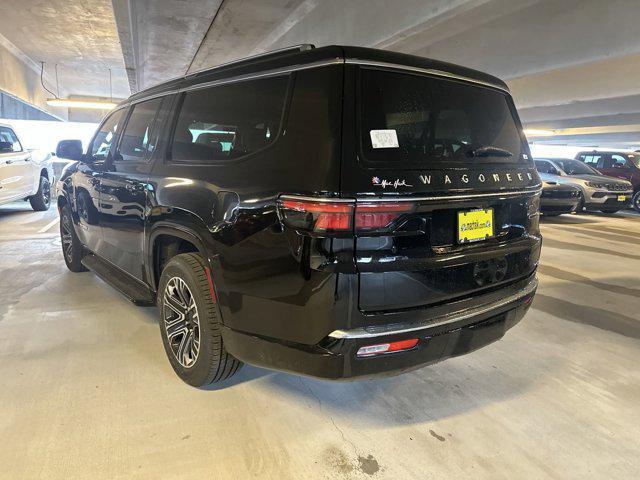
pixel 625 165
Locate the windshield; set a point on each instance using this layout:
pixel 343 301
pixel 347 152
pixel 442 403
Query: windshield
pixel 575 167
pixel 420 120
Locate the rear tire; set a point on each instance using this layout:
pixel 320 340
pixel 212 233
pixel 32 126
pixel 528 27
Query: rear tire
pixel 41 201
pixel 72 249
pixel 190 325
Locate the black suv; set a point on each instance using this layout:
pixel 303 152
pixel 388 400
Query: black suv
pixel 337 212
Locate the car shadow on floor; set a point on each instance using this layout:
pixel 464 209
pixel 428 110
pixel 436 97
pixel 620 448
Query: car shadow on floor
pixel 443 390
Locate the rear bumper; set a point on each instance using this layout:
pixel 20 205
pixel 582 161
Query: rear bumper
pixel 335 357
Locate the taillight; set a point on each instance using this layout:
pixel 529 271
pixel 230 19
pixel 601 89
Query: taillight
pixel 380 348
pixel 371 216
pixel 340 215
pixel 318 216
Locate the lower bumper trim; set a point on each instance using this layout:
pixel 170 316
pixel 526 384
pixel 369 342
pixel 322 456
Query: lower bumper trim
pixel 379 331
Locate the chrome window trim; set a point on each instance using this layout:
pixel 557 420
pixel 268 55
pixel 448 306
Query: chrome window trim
pixel 426 71
pixel 307 66
pixel 267 73
pixel 239 78
pixel 380 331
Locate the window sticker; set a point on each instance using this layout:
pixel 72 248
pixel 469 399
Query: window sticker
pixel 384 139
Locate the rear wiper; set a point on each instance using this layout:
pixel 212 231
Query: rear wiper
pixel 489 151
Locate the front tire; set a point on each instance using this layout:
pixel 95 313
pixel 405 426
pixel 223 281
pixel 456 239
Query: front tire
pixel 636 201
pixel 190 325
pixel 41 201
pixel 72 250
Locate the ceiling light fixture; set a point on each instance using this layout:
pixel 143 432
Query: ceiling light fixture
pixel 533 132
pixel 90 104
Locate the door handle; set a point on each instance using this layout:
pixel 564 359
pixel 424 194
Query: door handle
pixel 9 162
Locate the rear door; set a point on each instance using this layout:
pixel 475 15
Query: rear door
pixel 123 197
pixel 617 165
pixel 445 184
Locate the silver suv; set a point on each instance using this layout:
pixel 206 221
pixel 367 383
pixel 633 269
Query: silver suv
pixel 599 192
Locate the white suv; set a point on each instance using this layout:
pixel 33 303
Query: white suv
pixel 22 174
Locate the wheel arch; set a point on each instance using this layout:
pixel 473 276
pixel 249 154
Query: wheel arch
pixel 166 240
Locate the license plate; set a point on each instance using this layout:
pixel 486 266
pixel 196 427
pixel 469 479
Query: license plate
pixel 622 198
pixel 475 225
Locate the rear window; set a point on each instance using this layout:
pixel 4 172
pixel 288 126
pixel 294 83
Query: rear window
pixel 229 121
pixel 417 120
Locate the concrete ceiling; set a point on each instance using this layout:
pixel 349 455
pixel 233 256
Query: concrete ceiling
pixel 79 36
pixel 572 65
pixel 161 37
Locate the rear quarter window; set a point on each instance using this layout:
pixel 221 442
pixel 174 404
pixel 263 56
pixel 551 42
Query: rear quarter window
pixel 226 122
pixel 416 120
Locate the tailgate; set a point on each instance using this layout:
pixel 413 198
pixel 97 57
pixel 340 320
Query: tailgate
pixel 447 194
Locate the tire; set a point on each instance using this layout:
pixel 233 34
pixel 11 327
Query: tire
pixel 41 201
pixel 635 203
pixel 610 211
pixel 192 342
pixel 72 249
pixel 580 207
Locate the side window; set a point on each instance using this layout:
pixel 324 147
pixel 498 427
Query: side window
pixel 139 137
pixel 607 162
pixel 229 121
pixel 545 167
pixel 7 136
pixel 591 160
pixel 618 161
pixel 102 141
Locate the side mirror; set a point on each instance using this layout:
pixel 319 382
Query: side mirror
pixel 6 147
pixel 70 150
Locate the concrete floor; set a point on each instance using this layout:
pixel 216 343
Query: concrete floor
pixel 86 390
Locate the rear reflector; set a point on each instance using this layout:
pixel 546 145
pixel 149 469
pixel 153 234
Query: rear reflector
pixel 371 350
pixel 370 216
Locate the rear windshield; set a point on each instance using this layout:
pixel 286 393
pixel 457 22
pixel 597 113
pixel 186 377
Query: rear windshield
pixel 415 120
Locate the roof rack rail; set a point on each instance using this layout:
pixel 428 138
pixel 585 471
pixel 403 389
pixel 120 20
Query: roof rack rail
pixel 281 51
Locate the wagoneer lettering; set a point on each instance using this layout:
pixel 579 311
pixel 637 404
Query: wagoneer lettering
pixel 337 212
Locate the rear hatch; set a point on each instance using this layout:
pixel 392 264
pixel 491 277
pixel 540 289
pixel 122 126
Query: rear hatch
pixel 447 194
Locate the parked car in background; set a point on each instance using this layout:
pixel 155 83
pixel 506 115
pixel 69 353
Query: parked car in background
pixel 24 174
pixel 557 198
pixel 599 192
pixel 625 165
pixel 394 225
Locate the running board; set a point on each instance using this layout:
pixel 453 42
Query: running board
pixel 131 288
